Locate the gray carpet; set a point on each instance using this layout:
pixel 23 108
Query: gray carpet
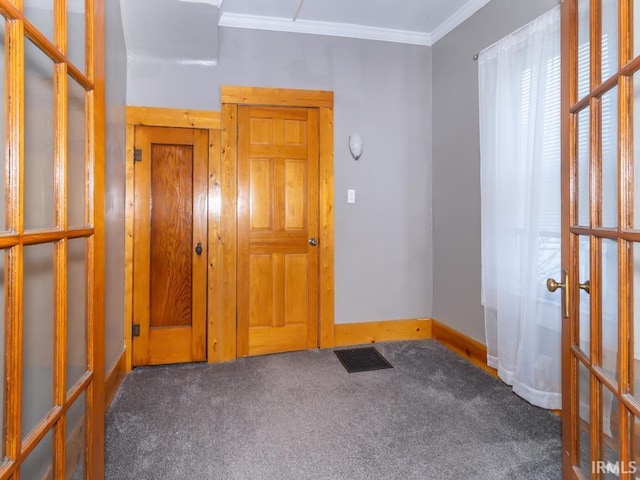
pixel 302 416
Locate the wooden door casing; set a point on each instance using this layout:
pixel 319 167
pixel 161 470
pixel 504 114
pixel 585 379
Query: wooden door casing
pixel 170 220
pixel 278 205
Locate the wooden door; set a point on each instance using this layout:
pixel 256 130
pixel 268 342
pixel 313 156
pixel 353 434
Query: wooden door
pixel 277 229
pixel 601 238
pixel 170 239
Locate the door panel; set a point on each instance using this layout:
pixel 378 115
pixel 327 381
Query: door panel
pixel 171 215
pixel 170 223
pixel 600 331
pixel 277 217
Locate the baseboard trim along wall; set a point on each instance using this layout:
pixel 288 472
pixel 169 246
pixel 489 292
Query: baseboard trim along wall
pixel 114 379
pixel 464 346
pixel 348 334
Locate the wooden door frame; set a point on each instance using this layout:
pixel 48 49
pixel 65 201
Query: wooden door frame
pixel 176 118
pixel 222 332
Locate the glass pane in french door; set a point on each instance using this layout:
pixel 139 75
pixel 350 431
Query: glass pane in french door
pixel 609 180
pixel 610 434
pixel 76 310
pixel 583 126
pixel 38 140
pixel 76 32
pixel 636 138
pixel 609 47
pixel 584 301
pixel 609 302
pixel 77 181
pixel 76 444
pixel 38 338
pixel 583 418
pixel 40 13
pixel 38 465
pixel 636 29
pixel 584 45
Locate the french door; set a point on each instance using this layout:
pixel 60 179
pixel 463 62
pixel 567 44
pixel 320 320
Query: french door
pixel 51 240
pixel 601 238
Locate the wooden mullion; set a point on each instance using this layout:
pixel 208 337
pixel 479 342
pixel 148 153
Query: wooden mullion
pixel 597 92
pixel 625 249
pixel 60 255
pixel 570 243
pixel 36 238
pixel 14 111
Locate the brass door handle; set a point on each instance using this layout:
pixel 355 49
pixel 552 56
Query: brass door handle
pixel 553 285
pixel 586 286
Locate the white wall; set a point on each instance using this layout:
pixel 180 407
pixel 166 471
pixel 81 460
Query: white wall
pixel 383 261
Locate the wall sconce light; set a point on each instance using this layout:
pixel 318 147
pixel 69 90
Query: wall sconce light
pixel 355 146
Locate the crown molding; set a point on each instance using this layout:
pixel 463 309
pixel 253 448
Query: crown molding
pixel 279 24
pixel 468 9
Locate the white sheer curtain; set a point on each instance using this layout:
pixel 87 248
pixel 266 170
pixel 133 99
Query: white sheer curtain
pixel 519 86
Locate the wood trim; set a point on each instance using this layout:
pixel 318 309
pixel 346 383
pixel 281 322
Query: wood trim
pixel 228 230
pixel 463 345
pixel 326 328
pixel 114 379
pixel 347 334
pixel 276 97
pixel 214 250
pixel 171 117
pixel 95 39
pixel 128 246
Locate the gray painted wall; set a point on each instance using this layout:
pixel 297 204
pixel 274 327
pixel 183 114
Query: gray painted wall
pixel 456 159
pixel 383 251
pixel 116 91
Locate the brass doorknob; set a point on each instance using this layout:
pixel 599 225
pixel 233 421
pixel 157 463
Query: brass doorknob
pixel 586 286
pixel 313 242
pixel 552 285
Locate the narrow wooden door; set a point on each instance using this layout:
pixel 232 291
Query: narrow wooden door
pixel 277 229
pixel 601 239
pixel 170 238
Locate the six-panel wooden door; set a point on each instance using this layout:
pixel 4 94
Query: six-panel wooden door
pixel 277 229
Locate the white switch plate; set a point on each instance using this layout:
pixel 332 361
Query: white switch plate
pixel 351 196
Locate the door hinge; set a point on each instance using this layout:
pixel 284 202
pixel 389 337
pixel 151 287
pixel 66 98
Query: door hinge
pixel 137 155
pixel 135 330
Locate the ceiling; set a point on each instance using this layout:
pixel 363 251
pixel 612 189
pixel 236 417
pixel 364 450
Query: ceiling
pixel 423 21
pixel 186 31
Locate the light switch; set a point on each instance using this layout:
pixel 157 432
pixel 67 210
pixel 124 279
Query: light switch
pixel 351 196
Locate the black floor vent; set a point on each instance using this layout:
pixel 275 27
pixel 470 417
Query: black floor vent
pixel 362 359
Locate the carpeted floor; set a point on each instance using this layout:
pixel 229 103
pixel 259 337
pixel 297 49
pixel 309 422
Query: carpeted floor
pixel 302 416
